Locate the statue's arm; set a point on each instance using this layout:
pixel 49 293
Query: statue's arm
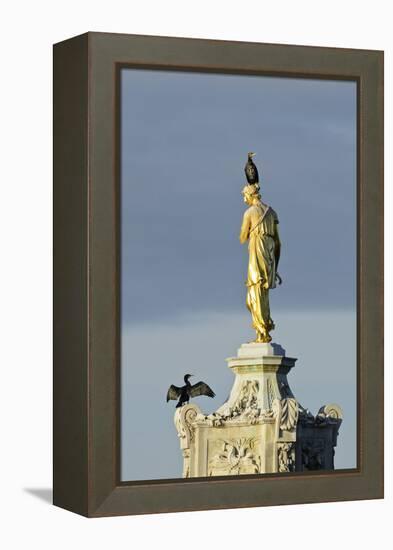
pixel 245 228
pixel 277 244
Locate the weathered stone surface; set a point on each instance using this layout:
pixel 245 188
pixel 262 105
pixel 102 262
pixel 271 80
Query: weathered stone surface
pixel 261 428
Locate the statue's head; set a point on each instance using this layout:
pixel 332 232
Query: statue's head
pixel 250 193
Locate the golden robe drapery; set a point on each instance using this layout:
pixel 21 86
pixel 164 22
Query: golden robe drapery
pixel 259 226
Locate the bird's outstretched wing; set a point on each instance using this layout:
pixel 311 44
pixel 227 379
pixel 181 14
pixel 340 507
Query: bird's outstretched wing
pixel 173 392
pixel 200 388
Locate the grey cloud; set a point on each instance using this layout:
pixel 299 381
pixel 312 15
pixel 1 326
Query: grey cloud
pixel 184 143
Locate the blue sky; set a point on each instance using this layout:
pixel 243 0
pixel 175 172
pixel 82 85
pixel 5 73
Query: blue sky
pixel 185 138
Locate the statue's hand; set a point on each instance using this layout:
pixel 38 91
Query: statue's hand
pixel 278 278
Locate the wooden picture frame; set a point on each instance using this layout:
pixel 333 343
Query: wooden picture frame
pixel 86 274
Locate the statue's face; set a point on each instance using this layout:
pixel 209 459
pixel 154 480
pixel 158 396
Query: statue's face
pixel 247 198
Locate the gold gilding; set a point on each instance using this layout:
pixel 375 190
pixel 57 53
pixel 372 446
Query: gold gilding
pixel 260 228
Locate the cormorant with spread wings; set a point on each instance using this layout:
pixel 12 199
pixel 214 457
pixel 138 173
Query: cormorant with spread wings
pixel 187 391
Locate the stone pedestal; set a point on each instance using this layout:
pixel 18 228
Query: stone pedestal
pixel 261 428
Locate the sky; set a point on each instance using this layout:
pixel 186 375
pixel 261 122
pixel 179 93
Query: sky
pixel 184 143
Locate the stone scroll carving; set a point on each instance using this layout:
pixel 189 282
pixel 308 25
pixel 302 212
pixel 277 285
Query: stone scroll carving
pixel 331 411
pixel 184 423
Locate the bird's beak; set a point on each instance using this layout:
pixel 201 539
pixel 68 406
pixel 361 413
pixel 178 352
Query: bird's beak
pixel 253 154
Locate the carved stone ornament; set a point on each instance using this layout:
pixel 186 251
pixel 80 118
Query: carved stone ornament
pixel 270 393
pixel 286 411
pixel 184 418
pixel 313 454
pixel 286 457
pixel 235 457
pixel 245 407
pixel 261 428
pixel 246 402
pixel 186 462
pixel 248 398
pixel 289 414
pixel 328 414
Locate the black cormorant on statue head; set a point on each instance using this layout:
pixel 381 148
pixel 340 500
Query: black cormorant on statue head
pixel 251 170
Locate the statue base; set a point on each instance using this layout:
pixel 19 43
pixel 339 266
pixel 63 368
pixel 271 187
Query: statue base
pixel 261 428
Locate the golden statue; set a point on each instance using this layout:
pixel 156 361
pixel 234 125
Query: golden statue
pixel 260 228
